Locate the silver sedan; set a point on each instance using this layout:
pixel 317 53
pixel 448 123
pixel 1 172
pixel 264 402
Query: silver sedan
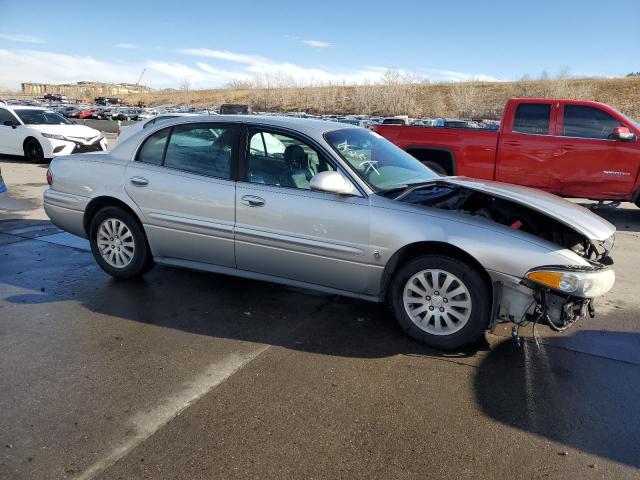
pixel 338 209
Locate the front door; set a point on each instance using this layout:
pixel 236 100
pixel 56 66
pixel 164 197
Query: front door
pixel 182 182
pixel 588 161
pixel 287 230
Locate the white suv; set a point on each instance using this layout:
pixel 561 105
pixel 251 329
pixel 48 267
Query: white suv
pixel 40 134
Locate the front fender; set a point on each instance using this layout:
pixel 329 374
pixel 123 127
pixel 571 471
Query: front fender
pixel 500 249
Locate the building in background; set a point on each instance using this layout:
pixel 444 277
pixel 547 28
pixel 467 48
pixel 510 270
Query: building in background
pixel 83 90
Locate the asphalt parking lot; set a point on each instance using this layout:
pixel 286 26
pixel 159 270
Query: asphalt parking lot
pixel 195 375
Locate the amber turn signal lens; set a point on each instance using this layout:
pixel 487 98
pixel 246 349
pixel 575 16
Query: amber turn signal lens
pixel 550 279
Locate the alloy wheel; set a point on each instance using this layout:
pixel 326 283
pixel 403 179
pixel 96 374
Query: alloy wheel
pixel 115 242
pixel 437 302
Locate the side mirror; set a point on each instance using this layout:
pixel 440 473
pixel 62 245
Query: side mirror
pixel 9 123
pixel 623 134
pixel 332 182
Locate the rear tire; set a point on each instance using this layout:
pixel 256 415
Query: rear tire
pixel 33 151
pixel 440 301
pixel 119 244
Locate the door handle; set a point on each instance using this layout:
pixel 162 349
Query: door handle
pixel 252 201
pixel 139 181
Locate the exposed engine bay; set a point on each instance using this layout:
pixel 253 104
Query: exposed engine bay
pixel 528 302
pixel 505 212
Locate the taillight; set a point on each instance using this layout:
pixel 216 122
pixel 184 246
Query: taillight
pixel 49 177
pixel 118 132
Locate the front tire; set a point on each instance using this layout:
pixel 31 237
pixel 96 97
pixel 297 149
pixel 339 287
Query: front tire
pixel 119 244
pixel 440 301
pixel 33 151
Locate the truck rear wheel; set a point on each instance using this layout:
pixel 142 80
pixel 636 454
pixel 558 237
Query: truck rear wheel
pixel 439 169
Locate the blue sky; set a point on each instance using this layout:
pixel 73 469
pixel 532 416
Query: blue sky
pixel 211 43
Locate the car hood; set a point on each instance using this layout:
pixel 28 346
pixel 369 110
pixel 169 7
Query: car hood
pixel 574 216
pixel 75 131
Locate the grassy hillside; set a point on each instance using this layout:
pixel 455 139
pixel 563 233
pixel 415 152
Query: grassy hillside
pixel 472 99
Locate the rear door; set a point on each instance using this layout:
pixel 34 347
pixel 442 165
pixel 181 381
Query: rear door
pixel 588 161
pixel 287 230
pixel 525 151
pixel 184 183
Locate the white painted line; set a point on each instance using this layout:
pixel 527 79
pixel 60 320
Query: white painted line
pixel 66 240
pixel 149 422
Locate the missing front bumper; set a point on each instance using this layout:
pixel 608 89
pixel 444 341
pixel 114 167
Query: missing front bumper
pixel 520 305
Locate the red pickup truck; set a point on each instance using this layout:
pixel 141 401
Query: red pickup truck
pixel 568 147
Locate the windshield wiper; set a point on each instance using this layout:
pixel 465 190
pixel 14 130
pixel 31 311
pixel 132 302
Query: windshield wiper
pixel 389 191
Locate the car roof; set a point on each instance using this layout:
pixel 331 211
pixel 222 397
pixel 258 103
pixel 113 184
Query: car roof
pixel 308 126
pixel 25 107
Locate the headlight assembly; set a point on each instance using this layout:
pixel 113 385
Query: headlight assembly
pixel 55 136
pixel 585 284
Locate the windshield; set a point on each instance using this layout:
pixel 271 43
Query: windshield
pixel 41 117
pixel 377 161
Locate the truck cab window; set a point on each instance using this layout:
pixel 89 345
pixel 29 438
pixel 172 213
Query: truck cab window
pixel 532 118
pixel 587 122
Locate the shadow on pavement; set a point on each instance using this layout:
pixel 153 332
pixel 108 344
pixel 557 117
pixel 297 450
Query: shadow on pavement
pixel 579 400
pixel 625 219
pixel 20 159
pixel 209 304
pixel 583 401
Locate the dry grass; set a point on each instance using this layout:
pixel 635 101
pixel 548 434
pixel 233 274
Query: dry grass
pixel 395 96
pixel 470 99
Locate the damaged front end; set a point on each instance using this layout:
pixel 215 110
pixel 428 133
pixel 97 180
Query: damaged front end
pixel 553 295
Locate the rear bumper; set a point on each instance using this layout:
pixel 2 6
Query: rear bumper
pixel 66 211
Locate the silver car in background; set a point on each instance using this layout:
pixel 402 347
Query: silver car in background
pixel 339 209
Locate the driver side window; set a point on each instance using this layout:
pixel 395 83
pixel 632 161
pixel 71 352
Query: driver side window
pixel 587 122
pixel 280 160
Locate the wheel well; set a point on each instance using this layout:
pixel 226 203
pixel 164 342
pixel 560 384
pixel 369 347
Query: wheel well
pixel 414 250
pixel 99 203
pixel 27 139
pixel 442 157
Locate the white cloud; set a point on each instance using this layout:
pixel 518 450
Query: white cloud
pixel 20 38
pixel 130 46
pixel 222 67
pixel 316 43
pixel 38 66
pixel 221 55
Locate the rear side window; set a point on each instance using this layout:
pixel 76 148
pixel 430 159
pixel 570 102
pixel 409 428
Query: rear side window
pixel 587 122
pixel 153 148
pixel 532 118
pixel 204 149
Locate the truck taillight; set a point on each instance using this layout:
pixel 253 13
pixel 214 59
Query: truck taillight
pixel 49 177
